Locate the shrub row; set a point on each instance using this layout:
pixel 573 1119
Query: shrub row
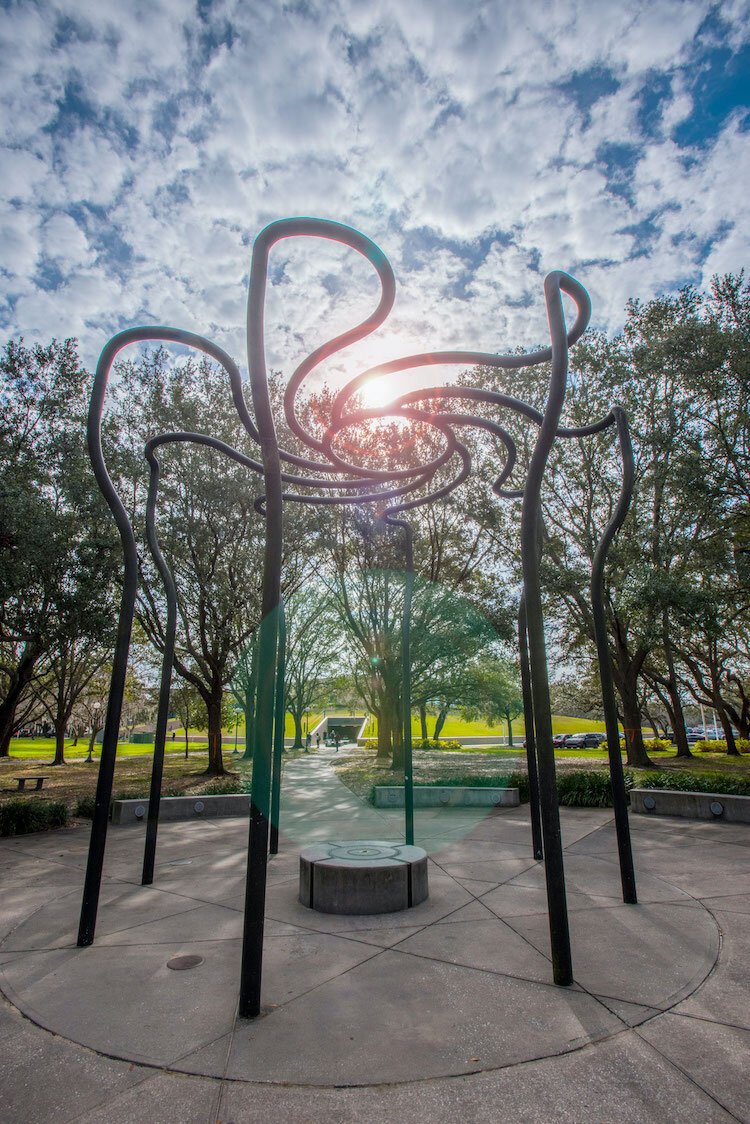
pixel 719 745
pixel 658 744
pixel 449 744
pixel 685 781
pixel 18 817
pixel 584 788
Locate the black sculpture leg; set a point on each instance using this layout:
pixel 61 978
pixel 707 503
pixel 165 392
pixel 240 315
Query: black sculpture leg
pixel 562 965
pixel 95 861
pixel 255 892
pixel 97 843
pixel 406 689
pixel 278 735
pixel 160 736
pixel 157 771
pixel 528 715
pixel 619 793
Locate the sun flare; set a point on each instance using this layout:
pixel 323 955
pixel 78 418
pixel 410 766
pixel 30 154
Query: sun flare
pixel 376 393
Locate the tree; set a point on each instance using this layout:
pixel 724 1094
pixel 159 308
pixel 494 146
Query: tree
pixel 312 650
pixel 189 708
pixel 448 629
pixel 41 394
pixel 658 558
pixel 68 672
pixel 209 529
pixel 57 549
pixel 496 692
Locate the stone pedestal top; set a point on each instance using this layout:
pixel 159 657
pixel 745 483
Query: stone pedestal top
pixel 362 876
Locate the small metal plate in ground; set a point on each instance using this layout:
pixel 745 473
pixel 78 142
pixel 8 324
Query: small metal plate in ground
pixel 181 963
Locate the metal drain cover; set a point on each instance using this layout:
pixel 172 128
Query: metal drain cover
pixel 180 963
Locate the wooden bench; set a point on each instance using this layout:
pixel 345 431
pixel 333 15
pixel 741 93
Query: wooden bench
pixel 21 781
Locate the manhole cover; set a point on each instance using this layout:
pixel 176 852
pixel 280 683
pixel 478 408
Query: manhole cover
pixel 180 963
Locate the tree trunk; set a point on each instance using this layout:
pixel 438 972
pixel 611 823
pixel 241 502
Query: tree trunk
pixel 19 681
pixel 59 744
pixel 636 750
pixel 384 735
pixel 675 703
pixel 509 722
pixel 679 729
pixel 215 759
pixel 732 750
pixel 92 740
pixel 423 720
pixel 440 721
pixel 297 716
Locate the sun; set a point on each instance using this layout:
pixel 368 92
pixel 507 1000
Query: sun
pixel 376 393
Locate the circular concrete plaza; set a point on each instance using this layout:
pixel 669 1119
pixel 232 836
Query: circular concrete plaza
pixel 413 1014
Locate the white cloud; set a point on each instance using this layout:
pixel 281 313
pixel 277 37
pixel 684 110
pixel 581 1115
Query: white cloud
pixel 392 117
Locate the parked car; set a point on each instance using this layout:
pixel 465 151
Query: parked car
pixel 584 741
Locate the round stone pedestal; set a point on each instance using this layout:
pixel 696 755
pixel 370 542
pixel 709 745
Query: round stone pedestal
pixel 362 876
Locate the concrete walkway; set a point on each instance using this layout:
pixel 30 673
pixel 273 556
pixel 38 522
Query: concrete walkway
pixel 446 1011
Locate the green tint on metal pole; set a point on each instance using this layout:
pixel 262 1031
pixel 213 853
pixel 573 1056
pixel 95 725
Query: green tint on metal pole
pixel 406 688
pixel 255 888
pixel 278 734
pixel 528 715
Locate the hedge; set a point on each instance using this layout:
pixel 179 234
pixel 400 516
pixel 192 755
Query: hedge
pixel 19 817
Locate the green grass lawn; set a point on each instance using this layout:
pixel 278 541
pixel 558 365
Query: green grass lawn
pixel 457 727
pixel 43 749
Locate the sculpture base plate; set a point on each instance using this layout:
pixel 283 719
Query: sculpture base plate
pixel 362 876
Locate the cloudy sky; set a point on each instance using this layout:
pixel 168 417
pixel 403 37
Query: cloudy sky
pixel 145 143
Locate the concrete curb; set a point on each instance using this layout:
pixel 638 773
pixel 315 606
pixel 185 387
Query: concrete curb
pixel 690 805
pixel 448 796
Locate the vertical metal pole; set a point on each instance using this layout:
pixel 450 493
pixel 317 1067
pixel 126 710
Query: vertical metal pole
pixel 278 734
pixel 406 686
pixel 157 768
pixel 619 794
pixel 255 891
pixel 562 965
pixel 528 715
pixel 97 843
pixel 251 691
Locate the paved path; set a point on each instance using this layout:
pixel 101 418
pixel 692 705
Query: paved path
pixel 443 1012
pixel 316 806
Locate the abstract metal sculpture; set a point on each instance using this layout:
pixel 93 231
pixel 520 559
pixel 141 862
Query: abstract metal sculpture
pixel 328 478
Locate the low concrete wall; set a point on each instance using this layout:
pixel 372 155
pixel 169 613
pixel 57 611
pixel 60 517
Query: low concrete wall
pixel 691 805
pixel 182 808
pixel 450 796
